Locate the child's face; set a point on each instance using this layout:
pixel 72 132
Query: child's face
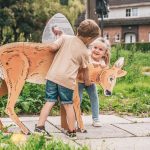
pixel 99 48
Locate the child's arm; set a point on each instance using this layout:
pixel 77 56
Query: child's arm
pixel 56 44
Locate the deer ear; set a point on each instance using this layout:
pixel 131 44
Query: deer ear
pixel 119 63
pixel 121 73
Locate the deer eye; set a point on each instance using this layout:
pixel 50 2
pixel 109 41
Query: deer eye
pixel 111 79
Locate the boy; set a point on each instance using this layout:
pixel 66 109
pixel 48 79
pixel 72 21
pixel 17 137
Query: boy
pixel 71 54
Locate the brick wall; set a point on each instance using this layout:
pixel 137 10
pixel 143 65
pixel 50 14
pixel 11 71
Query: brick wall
pixel 144 33
pixel 112 31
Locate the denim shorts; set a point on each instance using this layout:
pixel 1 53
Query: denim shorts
pixel 54 90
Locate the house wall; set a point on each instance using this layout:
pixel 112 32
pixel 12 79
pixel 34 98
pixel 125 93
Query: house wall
pixel 144 32
pixel 117 13
pixel 112 33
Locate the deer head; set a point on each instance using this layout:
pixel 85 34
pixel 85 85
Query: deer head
pixel 107 77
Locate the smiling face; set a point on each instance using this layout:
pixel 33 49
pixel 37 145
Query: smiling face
pixel 98 50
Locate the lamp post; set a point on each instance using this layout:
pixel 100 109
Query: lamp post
pixel 101 10
pixel 91 13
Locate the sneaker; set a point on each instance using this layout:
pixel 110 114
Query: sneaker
pixel 96 123
pixel 41 131
pixel 72 134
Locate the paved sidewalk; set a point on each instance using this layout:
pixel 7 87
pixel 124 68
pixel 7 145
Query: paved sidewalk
pixel 116 133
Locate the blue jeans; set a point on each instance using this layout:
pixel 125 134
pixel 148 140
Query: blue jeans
pixel 92 92
pixel 54 90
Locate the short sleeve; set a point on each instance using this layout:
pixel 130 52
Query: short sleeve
pixel 59 42
pixel 84 61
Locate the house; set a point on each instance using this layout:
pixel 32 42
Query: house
pixel 128 21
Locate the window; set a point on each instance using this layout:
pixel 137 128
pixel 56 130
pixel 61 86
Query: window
pixel 134 12
pixel 106 36
pixel 106 16
pixel 131 12
pixel 117 37
pixel 128 12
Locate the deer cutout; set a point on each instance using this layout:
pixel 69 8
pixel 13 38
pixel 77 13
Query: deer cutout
pixel 25 61
pixel 106 78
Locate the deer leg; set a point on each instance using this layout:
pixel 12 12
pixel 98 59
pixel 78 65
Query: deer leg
pixel 15 76
pixel 76 105
pixel 3 91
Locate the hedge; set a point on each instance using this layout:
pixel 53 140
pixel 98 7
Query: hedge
pixel 144 47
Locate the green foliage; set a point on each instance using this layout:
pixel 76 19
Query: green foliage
pixel 130 95
pixel 144 47
pixel 24 20
pixel 35 142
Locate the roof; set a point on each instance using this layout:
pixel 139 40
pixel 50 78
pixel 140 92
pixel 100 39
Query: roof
pixel 123 2
pixel 129 21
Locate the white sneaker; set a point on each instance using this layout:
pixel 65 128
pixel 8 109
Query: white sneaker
pixel 96 123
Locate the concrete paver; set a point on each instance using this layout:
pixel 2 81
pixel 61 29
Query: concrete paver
pixel 131 143
pixel 116 133
pixel 138 129
pixel 106 131
pixel 134 119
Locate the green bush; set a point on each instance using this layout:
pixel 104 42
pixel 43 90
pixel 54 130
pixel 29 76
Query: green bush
pixel 144 47
pixel 35 142
pixel 130 95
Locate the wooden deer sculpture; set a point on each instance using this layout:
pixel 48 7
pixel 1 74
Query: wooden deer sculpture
pixel 22 61
pixel 106 78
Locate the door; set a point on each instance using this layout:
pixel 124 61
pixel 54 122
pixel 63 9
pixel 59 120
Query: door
pixel 130 38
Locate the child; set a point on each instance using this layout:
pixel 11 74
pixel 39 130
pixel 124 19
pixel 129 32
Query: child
pixel 72 53
pixel 99 55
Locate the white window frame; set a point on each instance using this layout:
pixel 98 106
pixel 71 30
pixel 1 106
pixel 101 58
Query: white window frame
pixel 131 12
pixel 134 11
pixel 106 36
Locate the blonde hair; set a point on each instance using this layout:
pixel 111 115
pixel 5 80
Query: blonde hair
pixel 88 28
pixel 107 54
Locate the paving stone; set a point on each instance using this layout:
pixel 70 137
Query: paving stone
pixel 104 119
pixel 54 120
pixel 101 132
pixel 22 118
pixel 133 119
pixel 30 125
pixel 138 129
pixel 131 143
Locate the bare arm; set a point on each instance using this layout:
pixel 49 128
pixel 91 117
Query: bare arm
pixel 53 47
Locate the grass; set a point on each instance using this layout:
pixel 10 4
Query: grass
pixel 35 142
pixel 131 94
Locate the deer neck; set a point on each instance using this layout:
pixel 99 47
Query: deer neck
pixel 94 74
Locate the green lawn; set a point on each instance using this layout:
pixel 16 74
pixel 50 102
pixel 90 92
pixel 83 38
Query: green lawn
pixel 131 94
